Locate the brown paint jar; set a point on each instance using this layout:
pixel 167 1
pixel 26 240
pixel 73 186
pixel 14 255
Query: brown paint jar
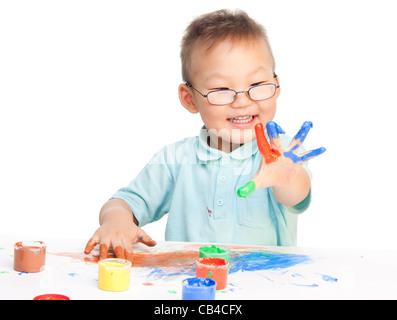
pixel 29 256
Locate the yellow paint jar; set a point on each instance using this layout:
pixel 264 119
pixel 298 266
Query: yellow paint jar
pixel 114 274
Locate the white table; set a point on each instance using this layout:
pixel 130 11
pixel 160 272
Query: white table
pixel 256 272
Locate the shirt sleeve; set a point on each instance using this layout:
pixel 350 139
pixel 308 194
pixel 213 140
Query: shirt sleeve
pixel 301 206
pixel 149 194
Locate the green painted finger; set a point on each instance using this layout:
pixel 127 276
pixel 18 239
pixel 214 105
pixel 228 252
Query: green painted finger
pixel 243 192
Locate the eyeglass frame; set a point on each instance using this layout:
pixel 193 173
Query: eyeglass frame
pixel 189 85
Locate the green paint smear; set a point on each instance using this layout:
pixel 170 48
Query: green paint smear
pixel 172 291
pixel 212 249
pixel 243 192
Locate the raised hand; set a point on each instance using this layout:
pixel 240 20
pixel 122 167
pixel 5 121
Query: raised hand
pixel 279 165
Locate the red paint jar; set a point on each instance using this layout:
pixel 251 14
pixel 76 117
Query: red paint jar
pixel 29 256
pixel 214 268
pixel 51 297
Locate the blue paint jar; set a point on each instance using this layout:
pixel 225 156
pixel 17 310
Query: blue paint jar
pixel 198 289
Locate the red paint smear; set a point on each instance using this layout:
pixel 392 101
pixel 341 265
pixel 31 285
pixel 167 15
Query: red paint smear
pixel 147 284
pixel 147 259
pixel 165 259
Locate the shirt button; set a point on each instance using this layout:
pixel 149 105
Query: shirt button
pixel 219 202
pixel 222 178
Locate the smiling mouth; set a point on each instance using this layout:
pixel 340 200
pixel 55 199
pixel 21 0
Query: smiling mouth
pixel 243 119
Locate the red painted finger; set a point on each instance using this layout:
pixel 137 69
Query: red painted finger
pixel 90 245
pixel 103 251
pixel 119 252
pixel 268 154
pixel 127 250
pixel 128 255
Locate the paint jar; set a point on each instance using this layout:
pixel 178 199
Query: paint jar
pixel 213 251
pixel 214 268
pixel 198 289
pixel 114 274
pixel 29 256
pixel 51 296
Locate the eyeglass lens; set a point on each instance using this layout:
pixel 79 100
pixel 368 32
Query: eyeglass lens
pixel 257 93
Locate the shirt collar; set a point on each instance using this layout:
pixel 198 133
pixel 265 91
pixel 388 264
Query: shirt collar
pixel 206 153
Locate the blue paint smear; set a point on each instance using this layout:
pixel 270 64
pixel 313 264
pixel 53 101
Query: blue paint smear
pixel 297 275
pixel 305 285
pixel 254 261
pixel 329 278
pixel 240 261
pixel 72 274
pixel 165 273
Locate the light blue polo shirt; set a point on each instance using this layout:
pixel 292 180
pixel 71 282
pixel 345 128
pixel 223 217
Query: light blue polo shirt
pixel 197 187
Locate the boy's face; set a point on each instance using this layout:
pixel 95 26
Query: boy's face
pixel 236 66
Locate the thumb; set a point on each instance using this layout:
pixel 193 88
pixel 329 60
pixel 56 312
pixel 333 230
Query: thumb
pixel 255 183
pixel 246 190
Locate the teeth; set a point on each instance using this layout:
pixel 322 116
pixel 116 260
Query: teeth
pixel 244 119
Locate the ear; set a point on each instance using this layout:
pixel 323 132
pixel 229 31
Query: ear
pixel 186 98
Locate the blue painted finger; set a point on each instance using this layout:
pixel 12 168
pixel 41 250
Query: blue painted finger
pixel 302 133
pixel 273 129
pixel 313 153
pixel 305 157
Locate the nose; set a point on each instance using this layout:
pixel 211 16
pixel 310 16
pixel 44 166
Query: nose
pixel 241 100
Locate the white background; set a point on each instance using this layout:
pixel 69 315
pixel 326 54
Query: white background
pixel 88 93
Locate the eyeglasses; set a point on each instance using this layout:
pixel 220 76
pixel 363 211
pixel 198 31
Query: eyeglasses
pixel 223 97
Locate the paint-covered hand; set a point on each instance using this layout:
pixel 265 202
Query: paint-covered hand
pixel 279 165
pixel 119 235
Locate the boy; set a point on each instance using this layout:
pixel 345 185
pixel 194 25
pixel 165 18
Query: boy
pixel 230 80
